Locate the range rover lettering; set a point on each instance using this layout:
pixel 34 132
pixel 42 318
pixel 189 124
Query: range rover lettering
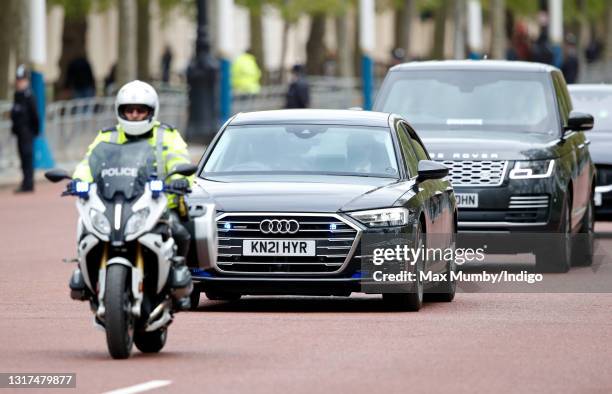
pixel 298 190
pixel 518 157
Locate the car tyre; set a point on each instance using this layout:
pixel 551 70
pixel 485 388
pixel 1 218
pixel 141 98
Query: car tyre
pixel 583 247
pixel 445 291
pixel 557 258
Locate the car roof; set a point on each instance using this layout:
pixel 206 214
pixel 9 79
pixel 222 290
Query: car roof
pixel 477 65
pixel 590 87
pixel 313 116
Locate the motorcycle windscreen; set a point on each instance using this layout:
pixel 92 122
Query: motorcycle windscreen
pixel 122 168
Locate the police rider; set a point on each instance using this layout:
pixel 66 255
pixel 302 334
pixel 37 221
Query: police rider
pixel 136 109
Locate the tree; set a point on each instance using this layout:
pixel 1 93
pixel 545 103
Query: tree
pixel 143 42
pixel 440 14
pixel 404 18
pixel 5 54
pixel 126 57
pixel 498 28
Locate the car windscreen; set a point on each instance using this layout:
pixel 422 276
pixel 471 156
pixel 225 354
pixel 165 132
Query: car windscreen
pixel 470 100
pixel 122 168
pixel 304 149
pixel 598 104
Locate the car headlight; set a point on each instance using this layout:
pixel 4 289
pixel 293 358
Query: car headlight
pixel 532 169
pixel 383 217
pixel 99 221
pixel 136 221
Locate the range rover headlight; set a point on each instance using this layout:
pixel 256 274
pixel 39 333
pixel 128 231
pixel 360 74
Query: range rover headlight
pixel 532 169
pixel 99 221
pixel 136 221
pixel 383 217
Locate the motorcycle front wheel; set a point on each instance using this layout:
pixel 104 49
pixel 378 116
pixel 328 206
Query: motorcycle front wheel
pixel 118 320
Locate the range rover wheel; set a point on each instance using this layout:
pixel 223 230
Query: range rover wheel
pixel 582 251
pixel 557 257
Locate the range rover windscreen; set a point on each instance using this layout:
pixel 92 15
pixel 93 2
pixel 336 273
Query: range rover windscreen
pixel 304 149
pixel 471 100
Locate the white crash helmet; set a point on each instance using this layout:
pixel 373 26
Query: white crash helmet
pixel 137 92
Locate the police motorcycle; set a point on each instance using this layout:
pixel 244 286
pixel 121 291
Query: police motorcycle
pixel 128 268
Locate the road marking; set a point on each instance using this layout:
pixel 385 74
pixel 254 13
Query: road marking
pixel 139 388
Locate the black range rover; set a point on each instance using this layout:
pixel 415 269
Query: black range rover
pixel 517 154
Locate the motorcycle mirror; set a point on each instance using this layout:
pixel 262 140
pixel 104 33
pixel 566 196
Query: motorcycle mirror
pixel 184 170
pixel 56 175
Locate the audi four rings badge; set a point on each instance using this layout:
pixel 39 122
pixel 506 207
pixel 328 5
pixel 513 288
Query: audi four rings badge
pixel 279 226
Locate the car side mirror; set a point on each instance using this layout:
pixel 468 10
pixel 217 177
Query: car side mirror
pixel 429 169
pixel 57 174
pixel 579 121
pixel 184 170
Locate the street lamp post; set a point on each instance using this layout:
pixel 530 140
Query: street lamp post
pixel 202 78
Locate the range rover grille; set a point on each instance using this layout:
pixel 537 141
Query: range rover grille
pixel 476 173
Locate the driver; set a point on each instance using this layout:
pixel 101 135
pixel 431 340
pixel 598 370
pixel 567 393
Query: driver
pixel 136 109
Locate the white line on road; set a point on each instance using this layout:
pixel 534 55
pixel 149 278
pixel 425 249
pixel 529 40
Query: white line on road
pixel 139 388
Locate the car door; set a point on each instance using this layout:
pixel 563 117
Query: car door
pixel 577 140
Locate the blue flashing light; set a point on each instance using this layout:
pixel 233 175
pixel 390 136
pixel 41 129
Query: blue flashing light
pixel 200 272
pixel 356 275
pixel 333 226
pixel 227 226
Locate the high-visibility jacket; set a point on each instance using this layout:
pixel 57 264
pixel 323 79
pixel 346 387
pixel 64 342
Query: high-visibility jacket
pixel 245 75
pixel 166 142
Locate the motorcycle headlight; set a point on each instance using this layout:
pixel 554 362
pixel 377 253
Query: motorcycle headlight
pixel 136 221
pixel 99 221
pixel 532 169
pixel 383 217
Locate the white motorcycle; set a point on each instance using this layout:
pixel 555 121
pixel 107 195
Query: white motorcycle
pixel 127 263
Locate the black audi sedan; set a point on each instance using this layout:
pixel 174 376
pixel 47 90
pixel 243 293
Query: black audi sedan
pixel 518 157
pixel 298 191
pixel 597 100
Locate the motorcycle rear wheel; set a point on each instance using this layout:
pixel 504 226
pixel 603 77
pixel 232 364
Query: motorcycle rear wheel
pixel 117 319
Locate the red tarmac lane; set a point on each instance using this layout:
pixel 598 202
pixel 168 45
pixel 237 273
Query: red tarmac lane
pixel 481 342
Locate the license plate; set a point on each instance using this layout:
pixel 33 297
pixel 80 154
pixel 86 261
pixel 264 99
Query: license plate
pixel 598 199
pixel 467 200
pixel 278 247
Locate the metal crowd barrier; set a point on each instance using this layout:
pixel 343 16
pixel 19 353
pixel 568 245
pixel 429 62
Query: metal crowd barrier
pixel 71 125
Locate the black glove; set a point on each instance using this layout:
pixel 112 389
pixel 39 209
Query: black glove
pixel 181 184
pixel 71 188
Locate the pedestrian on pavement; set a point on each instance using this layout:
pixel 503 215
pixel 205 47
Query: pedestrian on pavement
pixel 25 126
pixel 246 74
pixel 79 78
pixel 570 60
pixel 298 95
pixel 166 64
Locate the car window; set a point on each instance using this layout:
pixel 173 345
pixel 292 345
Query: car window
pixel 304 149
pixel 470 100
pixel 417 146
pixel 563 100
pixel 410 156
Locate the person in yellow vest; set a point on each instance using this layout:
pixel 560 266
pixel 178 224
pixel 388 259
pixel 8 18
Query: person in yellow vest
pixel 246 74
pixel 136 109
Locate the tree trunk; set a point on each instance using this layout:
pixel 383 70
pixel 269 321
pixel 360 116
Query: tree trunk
pixel 582 39
pixel 315 47
pixel 73 46
pixel 21 31
pixel 144 17
pixel 126 63
pixel 256 33
pixel 344 56
pixel 498 25
pixel 284 45
pixel 404 19
pixel 608 40
pixel 5 55
pixel 440 30
pixel 460 29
